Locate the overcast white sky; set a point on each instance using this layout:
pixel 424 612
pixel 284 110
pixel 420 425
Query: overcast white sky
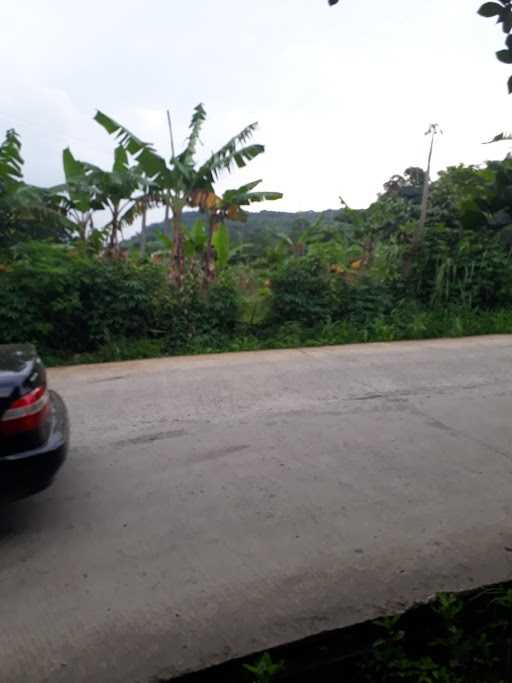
pixel 343 95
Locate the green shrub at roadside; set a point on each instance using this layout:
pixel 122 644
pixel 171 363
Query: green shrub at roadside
pixel 79 308
pixel 305 292
pixel 69 304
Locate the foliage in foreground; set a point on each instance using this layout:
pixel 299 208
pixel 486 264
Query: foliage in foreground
pixel 69 303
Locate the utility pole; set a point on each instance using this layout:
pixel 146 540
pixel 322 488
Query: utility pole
pixel 432 131
pixel 167 223
pixel 171 133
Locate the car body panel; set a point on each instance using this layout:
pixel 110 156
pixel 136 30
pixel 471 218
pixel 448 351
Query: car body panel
pixel 20 370
pixel 29 461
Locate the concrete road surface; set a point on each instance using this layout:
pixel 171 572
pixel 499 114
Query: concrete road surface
pixel 215 506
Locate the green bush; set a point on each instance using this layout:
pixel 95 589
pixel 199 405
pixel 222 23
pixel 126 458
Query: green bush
pixel 75 304
pixel 39 298
pixel 192 312
pixel 305 292
pixel 457 267
pixel 369 299
pixel 71 304
pixel 117 300
pixel 78 308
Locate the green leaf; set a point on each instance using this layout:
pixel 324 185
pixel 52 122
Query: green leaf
pixel 164 239
pixel 132 213
pixel 231 153
pixel 198 119
pixel 198 233
pixel 152 164
pixel 264 196
pixel 132 143
pixel 72 167
pixel 108 124
pixel 490 9
pixel 220 242
pixel 510 85
pixel 505 56
pixel 120 160
pixel 506 20
pixel 246 154
pixel 79 185
pixel 11 162
pixel 196 238
pixel 147 158
pixel 499 138
pixel 249 186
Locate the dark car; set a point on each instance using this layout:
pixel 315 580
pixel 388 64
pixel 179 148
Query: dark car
pixel 34 428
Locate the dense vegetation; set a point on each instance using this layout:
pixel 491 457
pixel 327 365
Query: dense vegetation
pixel 426 259
pixel 354 275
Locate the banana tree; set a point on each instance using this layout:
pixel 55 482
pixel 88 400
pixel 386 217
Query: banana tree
pixel 26 211
pixel 180 176
pixel 81 194
pixel 11 163
pixel 149 199
pixel 119 192
pixel 218 209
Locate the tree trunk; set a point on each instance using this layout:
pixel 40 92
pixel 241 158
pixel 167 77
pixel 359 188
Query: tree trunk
pixel 177 244
pixel 420 229
pixel 208 255
pixel 419 234
pixel 143 235
pixel 368 253
pixel 167 229
pixel 81 220
pixel 113 243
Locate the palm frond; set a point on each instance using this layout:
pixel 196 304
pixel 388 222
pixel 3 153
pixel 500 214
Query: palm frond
pixel 225 159
pixel 126 138
pixel 249 187
pixel 196 124
pixel 11 161
pixel 73 169
pixel 231 153
pixel 132 213
pixel 91 168
pixel 499 138
pixel 243 195
pixel 120 159
pixel 264 196
pixel 41 204
pixel 152 163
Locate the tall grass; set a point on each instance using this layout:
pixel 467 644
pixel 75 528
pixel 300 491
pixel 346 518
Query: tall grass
pixel 400 325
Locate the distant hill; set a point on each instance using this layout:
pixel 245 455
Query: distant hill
pixel 260 226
